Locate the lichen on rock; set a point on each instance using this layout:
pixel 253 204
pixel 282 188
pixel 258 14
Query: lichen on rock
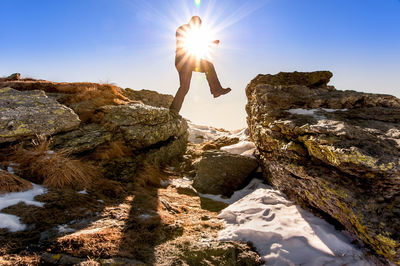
pixel 30 113
pixel 335 151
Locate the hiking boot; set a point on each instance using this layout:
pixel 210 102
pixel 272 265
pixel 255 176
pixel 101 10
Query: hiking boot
pixel 222 92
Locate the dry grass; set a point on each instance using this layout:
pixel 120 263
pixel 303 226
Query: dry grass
pixel 84 97
pixel 97 242
pixel 106 187
pixel 150 175
pixel 53 169
pixel 12 183
pixel 21 259
pixel 112 150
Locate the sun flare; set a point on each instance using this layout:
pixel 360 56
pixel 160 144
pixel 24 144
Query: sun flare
pixel 197 42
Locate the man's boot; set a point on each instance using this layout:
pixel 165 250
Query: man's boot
pixel 215 85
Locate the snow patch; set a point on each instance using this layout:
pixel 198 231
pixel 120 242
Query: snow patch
pixel 199 134
pixel 244 147
pixel 83 192
pixel 145 216
pixel 285 234
pixel 12 222
pixel 64 228
pixel 10 170
pixel 312 112
pixel 253 185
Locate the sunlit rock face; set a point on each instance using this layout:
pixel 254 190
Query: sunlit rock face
pixel 30 113
pixel 101 122
pixel 335 151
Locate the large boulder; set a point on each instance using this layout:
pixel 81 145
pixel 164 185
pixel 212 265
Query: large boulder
pixel 223 173
pixel 30 113
pixel 148 97
pixel 142 125
pixel 335 151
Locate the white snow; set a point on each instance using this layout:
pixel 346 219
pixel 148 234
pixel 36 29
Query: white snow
pixel 285 234
pixel 10 170
pixel 282 233
pixel 83 192
pixel 199 134
pixel 145 216
pixel 64 228
pixel 12 222
pixel 312 112
pixel 244 147
pixel 253 185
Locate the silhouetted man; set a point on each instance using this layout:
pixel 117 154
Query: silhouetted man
pixel 186 63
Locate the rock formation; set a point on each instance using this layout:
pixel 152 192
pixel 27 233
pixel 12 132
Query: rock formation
pixel 101 122
pixel 221 172
pixel 29 113
pixel 334 151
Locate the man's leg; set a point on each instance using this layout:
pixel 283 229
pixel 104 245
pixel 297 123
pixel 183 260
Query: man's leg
pixel 215 86
pixel 185 75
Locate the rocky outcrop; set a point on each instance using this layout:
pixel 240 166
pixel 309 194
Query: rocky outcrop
pixel 148 97
pixel 221 172
pixel 31 113
pixel 334 151
pixel 95 121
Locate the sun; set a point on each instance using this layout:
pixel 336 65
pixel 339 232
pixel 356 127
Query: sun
pixel 197 42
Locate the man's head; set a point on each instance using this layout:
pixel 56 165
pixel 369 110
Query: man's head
pixel 195 21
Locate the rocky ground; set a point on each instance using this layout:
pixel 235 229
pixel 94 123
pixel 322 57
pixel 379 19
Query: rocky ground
pixel 168 225
pixel 109 164
pixel 120 176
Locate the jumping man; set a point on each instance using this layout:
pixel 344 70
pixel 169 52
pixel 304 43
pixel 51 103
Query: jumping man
pixel 186 63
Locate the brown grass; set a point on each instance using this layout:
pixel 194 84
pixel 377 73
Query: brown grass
pixel 91 95
pixel 99 243
pixel 22 259
pixel 150 175
pixel 112 150
pixel 12 183
pixel 106 187
pixel 53 169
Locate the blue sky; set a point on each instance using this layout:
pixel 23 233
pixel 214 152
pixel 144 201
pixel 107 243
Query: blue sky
pixel 131 43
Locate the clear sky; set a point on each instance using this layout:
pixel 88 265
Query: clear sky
pixel 131 43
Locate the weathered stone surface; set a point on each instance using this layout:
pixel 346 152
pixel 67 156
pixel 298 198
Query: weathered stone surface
pixel 219 143
pixel 308 79
pixel 148 97
pixel 85 138
pixel 114 130
pixel 142 125
pixel 222 173
pixel 336 151
pixel 30 113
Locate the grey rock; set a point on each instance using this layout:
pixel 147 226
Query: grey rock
pixel 31 113
pixel 148 97
pixel 334 151
pixel 142 125
pixel 85 138
pixel 222 172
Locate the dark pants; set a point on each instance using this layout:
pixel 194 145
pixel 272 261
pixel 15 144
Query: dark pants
pixel 185 75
